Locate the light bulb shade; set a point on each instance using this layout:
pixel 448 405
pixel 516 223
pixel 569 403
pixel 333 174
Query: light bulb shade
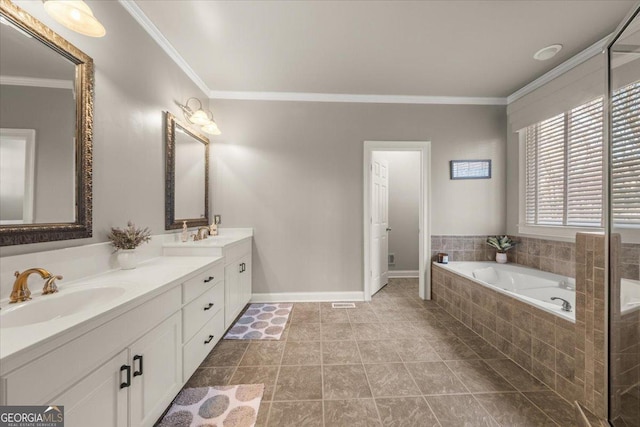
pixel 199 118
pixel 211 128
pixel 76 15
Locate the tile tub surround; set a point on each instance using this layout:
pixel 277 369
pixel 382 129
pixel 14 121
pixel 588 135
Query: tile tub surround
pixel 541 343
pixel 462 248
pixel 546 255
pixel 624 353
pixel 397 360
pixel 590 337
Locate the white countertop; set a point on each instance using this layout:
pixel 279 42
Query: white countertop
pixel 148 280
pixel 225 238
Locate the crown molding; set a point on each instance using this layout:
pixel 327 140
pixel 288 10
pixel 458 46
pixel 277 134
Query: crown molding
pixel 355 98
pixel 142 19
pixel 593 50
pixel 36 82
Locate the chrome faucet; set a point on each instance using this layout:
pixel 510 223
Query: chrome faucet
pixel 21 292
pixel 566 305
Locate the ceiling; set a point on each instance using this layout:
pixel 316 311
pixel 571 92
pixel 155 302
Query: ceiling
pixel 418 48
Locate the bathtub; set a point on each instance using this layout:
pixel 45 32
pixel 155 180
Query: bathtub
pixel 629 296
pixel 534 287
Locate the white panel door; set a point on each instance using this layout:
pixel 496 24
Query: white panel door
pixel 379 222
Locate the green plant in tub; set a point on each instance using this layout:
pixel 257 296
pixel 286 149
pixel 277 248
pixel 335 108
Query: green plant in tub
pixel 501 243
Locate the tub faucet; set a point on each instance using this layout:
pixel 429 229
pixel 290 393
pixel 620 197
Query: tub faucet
pixel 566 305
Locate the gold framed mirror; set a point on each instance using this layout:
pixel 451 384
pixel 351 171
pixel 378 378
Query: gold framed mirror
pixel 46 133
pixel 187 176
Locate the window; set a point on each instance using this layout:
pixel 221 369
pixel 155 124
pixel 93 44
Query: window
pixel 563 184
pixel 625 141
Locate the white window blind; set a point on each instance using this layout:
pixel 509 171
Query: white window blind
pixel 563 161
pixel 625 130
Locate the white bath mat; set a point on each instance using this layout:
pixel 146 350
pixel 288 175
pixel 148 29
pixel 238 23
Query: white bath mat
pixel 228 406
pixel 261 322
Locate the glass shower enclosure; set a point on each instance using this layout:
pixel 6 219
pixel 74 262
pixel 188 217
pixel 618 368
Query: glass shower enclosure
pixel 624 222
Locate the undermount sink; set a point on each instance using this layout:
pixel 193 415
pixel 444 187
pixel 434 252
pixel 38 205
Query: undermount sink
pixel 45 308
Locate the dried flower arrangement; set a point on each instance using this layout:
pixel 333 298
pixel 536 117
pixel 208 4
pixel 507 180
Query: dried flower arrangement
pixel 130 237
pixel 501 243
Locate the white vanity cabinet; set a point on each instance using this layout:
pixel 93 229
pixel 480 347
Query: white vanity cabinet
pixel 134 387
pixel 202 316
pixel 236 252
pixel 237 280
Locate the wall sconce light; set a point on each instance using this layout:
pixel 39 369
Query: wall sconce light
pixel 76 15
pixel 195 114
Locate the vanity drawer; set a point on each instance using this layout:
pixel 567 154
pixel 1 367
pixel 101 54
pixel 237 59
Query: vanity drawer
pixel 237 251
pixel 200 310
pixel 195 350
pixel 203 281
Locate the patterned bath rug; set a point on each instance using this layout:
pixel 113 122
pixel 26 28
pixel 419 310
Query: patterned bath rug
pixel 228 406
pixel 261 322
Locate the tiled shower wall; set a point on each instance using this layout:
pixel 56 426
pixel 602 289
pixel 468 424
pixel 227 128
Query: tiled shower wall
pixel 546 255
pixel 629 262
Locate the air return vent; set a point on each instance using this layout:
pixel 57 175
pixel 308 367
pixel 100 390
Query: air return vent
pixel 343 305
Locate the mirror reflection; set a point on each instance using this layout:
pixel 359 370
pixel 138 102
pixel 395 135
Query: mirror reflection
pixel 187 180
pixel 37 130
pixel 190 176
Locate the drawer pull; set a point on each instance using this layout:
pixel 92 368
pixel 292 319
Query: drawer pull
pixel 209 339
pixel 208 279
pixel 139 371
pixel 127 382
pixel 208 307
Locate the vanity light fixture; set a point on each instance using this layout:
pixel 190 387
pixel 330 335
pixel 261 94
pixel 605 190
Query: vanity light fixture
pixel 76 15
pixel 547 52
pixel 197 115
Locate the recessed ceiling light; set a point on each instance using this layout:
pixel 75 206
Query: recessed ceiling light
pixel 547 52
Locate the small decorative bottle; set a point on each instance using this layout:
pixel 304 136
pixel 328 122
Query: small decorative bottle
pixel 213 229
pixel 185 231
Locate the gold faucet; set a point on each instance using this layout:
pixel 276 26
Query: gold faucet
pixel 21 290
pixel 200 235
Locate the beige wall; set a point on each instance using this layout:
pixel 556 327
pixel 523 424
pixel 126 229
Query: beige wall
pixel 135 82
pixel 404 203
pixel 293 171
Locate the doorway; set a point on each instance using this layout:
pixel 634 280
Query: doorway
pixel 377 228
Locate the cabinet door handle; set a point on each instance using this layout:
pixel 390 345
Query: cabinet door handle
pixel 207 341
pixel 240 267
pixel 208 307
pixel 208 279
pixel 127 382
pixel 244 267
pixel 137 357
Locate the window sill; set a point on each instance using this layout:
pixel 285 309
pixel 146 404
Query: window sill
pixel 563 234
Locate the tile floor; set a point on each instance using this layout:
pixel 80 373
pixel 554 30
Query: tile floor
pixel 397 361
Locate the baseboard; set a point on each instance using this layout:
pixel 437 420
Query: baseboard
pixel 308 297
pixel 398 274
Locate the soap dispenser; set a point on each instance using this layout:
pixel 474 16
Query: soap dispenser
pixel 185 232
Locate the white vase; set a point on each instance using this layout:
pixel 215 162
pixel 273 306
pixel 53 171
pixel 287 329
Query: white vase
pixel 128 259
pixel 501 258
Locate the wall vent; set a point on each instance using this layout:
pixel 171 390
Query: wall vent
pixel 392 259
pixel 343 305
